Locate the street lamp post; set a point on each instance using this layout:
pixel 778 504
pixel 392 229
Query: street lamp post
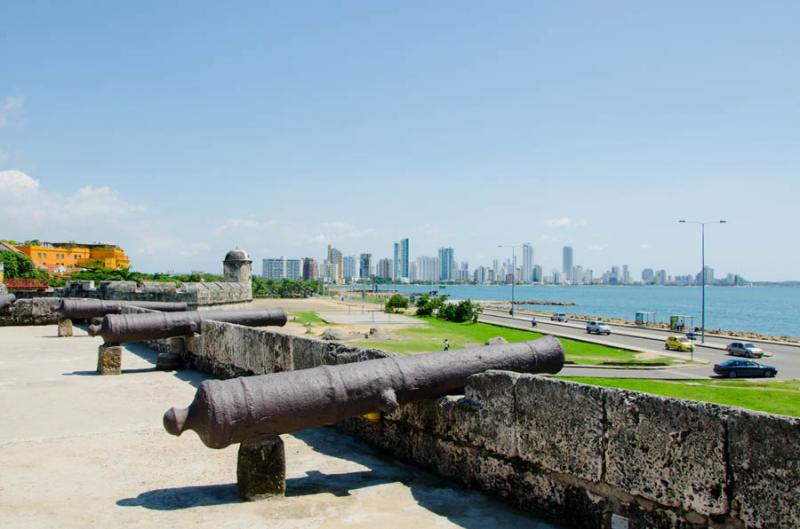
pixel 513 271
pixel 702 270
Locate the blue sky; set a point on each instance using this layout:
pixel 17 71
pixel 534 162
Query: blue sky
pixel 182 129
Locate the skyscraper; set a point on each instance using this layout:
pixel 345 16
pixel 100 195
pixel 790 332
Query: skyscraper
pixel 447 264
pixel 427 268
pixel 350 268
pixel 334 266
pixel 384 269
pixel 566 264
pixel 537 274
pixel 648 275
pixel 401 258
pixel 527 263
pixel 365 266
pixel 310 269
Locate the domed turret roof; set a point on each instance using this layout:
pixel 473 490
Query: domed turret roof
pixel 237 255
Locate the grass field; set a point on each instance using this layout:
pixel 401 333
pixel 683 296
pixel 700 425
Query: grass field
pixel 306 317
pixel 429 337
pixel 775 396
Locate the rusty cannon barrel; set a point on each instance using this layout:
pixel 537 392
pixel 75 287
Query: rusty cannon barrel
pixel 124 328
pixel 84 309
pixel 225 412
pixel 6 300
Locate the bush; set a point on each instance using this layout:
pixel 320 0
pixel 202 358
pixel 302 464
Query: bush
pixel 286 288
pixel 460 312
pixel 427 305
pixel 396 302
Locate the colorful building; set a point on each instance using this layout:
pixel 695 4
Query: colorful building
pixel 66 258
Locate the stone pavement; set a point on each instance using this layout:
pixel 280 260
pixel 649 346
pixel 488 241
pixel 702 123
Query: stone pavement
pixel 82 450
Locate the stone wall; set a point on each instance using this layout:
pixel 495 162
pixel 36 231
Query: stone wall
pixel 587 456
pixel 195 294
pixel 35 311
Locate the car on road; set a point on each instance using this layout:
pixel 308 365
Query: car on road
pixel 559 316
pixel 746 349
pixel 736 368
pixel 597 327
pixel 678 343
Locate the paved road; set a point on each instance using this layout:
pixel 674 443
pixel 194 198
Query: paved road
pixel 785 357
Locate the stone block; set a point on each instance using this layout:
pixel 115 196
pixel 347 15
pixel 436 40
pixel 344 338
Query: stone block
pixel 65 327
pixel 764 453
pixel 488 412
pixel 261 468
pixel 667 450
pixel 560 425
pixel 109 360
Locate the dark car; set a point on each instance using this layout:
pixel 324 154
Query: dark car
pixel 744 368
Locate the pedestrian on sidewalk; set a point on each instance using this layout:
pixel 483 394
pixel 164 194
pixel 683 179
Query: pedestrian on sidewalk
pixel 446 345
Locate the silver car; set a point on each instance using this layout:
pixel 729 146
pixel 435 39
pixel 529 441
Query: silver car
pixel 597 327
pixel 745 349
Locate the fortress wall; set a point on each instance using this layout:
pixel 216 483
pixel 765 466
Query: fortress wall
pixel 587 456
pixel 33 311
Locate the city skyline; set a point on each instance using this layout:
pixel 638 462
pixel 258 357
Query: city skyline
pixel 443 268
pixel 591 127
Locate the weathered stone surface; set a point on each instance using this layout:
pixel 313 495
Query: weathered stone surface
pixel 261 468
pixel 667 450
pixel 169 361
pixel 65 328
pixel 333 335
pixel 559 425
pixel 497 340
pixel 109 360
pixel 492 424
pixel 34 311
pixel 764 453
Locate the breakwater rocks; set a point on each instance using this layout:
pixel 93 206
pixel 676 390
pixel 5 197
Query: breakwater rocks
pixel 544 302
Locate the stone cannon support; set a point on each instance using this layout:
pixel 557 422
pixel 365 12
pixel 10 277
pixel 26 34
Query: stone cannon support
pixel 109 359
pixel 64 327
pixel 261 468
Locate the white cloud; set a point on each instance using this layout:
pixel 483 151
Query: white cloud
pixel 234 224
pixel 17 183
pixel 597 247
pixel 9 105
pixel 33 208
pixel 549 238
pixel 644 246
pixel 248 229
pixel 564 222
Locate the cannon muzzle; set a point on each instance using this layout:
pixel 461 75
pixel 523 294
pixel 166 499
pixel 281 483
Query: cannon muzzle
pixel 84 309
pixel 225 412
pixel 6 300
pixel 125 328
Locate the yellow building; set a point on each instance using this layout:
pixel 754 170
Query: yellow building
pixel 66 258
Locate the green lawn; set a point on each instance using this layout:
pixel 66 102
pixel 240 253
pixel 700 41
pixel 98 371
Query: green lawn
pixel 774 396
pixel 429 337
pixel 306 317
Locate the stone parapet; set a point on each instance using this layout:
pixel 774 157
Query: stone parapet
pixel 587 456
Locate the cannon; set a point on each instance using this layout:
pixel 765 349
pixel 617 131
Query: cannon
pixel 84 309
pixel 6 300
pixel 225 412
pixel 125 328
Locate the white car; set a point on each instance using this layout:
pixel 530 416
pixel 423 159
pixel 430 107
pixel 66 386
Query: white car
pixel 597 327
pixel 745 349
pixel 559 316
